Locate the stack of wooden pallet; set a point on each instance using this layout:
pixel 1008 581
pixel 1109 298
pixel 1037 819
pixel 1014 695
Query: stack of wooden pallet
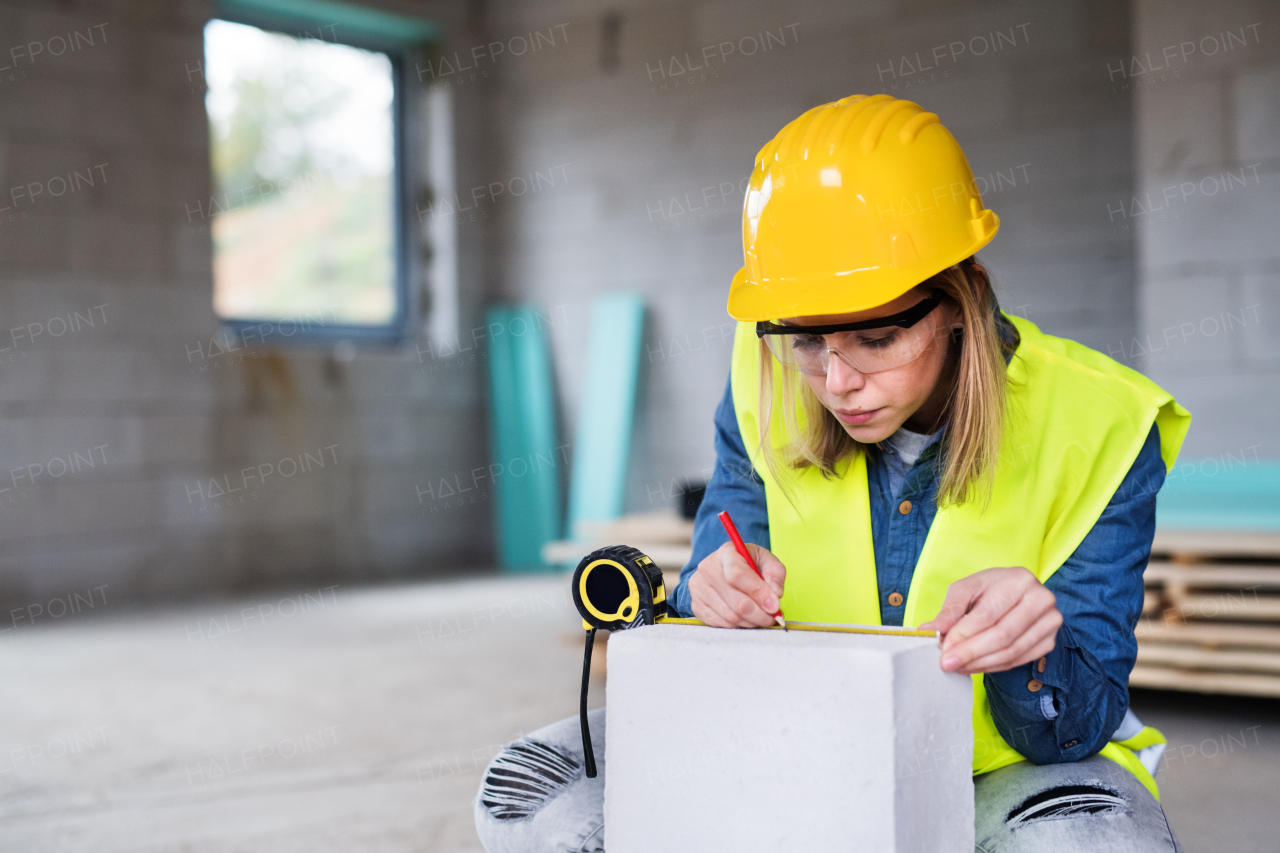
pixel 1211 620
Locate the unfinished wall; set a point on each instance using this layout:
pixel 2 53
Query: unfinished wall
pixel 653 112
pixel 1206 80
pixel 124 430
pixel 600 149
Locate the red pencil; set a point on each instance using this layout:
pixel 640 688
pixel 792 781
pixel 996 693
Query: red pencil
pixel 741 546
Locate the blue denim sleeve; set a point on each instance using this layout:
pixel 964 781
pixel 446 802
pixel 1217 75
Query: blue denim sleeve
pixel 733 486
pixel 1085 682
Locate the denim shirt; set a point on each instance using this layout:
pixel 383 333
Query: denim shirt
pixel 1099 588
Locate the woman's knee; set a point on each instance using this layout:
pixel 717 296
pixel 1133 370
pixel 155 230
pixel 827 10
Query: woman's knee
pixel 524 776
pixel 535 794
pixel 1092 804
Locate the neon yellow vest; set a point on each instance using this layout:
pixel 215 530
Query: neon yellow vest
pixel 1075 422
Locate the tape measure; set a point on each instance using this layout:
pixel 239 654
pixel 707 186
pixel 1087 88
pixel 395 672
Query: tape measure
pixel 618 587
pixel 614 588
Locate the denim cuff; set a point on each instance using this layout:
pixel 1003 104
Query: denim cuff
pixel 1037 693
pixel 1058 664
pixel 1037 704
pixel 678 600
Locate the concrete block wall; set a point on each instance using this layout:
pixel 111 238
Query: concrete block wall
pixel 125 431
pixel 1206 82
pixel 617 140
pixel 656 109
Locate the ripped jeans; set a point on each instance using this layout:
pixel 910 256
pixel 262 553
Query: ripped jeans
pixel 536 798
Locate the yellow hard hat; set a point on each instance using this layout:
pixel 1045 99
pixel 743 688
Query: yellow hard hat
pixel 850 206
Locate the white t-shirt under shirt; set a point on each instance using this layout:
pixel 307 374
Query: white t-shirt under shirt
pixel 904 448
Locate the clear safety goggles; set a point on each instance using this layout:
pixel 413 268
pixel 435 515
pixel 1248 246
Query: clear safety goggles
pixel 868 346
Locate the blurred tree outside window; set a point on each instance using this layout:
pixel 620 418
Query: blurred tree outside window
pixel 303 214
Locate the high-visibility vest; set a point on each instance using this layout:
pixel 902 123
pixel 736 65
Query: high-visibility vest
pixel 1075 421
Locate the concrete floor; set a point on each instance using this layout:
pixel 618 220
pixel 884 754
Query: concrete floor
pixel 1220 776
pixel 340 720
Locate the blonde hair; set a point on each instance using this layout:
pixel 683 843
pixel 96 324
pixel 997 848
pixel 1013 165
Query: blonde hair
pixel 973 411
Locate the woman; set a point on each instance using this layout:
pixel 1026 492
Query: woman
pixel 900 451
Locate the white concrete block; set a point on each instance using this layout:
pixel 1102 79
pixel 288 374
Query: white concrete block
pixel 767 741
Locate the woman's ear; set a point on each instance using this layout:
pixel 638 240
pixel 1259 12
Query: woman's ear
pixel 980 271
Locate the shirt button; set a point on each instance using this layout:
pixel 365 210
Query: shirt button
pixel 904 507
pixel 895 598
pixel 1034 685
pixel 1070 743
pixel 1040 665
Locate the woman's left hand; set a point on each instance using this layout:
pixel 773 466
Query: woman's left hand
pixel 994 620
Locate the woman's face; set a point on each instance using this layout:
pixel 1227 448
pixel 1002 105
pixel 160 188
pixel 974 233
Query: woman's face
pixel 870 406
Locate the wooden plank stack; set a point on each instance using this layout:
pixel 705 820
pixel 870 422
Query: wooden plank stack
pixel 1211 619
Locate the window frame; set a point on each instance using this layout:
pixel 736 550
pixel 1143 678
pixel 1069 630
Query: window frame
pixel 399 329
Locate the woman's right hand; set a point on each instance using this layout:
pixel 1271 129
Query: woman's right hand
pixel 726 593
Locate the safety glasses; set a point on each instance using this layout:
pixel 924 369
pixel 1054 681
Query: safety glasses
pixel 869 346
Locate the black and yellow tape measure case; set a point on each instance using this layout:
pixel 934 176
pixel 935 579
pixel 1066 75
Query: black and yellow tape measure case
pixel 614 588
pixel 618 587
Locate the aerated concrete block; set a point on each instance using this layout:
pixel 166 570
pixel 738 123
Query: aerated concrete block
pixel 764 741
